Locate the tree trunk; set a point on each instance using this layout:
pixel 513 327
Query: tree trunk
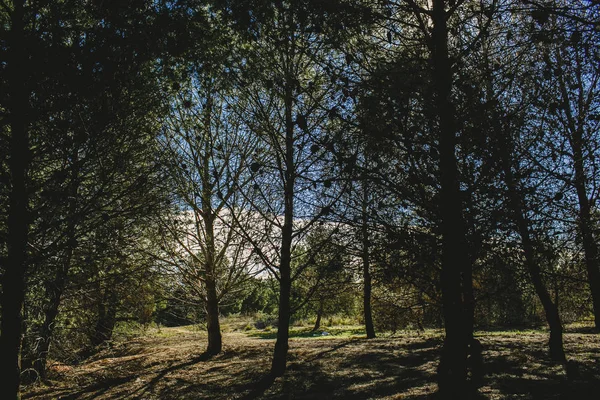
pixel 278 365
pixel 368 314
pixel 590 246
pixel 575 130
pixel 319 316
pixel 107 318
pixel 213 325
pixel 55 288
pixel 285 273
pixel 37 356
pixel 557 352
pixel 13 279
pixel 45 333
pixel 452 370
pixel 212 316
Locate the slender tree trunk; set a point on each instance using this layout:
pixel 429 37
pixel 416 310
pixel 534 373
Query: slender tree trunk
pixel 452 370
pixel 285 274
pixel 590 247
pixel 45 333
pixel 557 352
pixel 56 288
pixel 13 279
pixel 368 314
pixel 575 131
pixel 212 314
pixel 319 316
pixel 278 365
pixel 213 325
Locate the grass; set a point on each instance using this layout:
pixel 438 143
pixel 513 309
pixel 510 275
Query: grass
pixel 167 363
pixel 307 333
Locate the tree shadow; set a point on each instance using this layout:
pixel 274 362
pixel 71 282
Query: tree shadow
pixel 350 369
pixel 260 387
pixel 102 386
pixel 525 370
pixel 370 369
pixel 340 369
pixel 96 390
pixel 585 330
pixel 333 349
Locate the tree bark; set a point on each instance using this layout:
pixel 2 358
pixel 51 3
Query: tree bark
pixel 212 315
pixel 452 370
pixel 13 280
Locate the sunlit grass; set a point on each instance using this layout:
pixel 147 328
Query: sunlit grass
pixel 167 362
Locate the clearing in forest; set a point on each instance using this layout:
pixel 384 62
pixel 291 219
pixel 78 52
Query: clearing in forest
pixel 167 363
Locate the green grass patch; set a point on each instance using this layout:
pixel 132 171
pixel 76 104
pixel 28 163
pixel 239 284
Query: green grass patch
pixel 336 332
pixel 510 332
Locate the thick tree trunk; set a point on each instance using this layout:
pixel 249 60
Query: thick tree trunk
pixel 368 314
pixel 557 352
pixel 13 279
pixel 452 370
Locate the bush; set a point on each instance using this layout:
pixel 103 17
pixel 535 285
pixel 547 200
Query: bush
pixel 263 321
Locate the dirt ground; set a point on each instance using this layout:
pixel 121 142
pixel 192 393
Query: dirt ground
pixel 168 364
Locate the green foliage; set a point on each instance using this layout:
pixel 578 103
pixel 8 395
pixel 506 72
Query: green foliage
pixel 259 296
pixel 177 310
pixel 326 286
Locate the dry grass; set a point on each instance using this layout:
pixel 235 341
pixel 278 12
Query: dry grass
pixel 168 364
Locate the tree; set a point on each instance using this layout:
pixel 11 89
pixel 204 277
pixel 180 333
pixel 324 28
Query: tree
pixel 207 149
pixel 71 70
pixel 293 183
pixel 506 121
pixel 456 267
pixel 572 77
pixel 326 286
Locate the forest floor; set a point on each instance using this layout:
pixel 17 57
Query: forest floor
pixel 167 363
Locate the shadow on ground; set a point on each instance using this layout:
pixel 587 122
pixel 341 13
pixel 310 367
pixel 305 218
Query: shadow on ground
pixel 516 367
